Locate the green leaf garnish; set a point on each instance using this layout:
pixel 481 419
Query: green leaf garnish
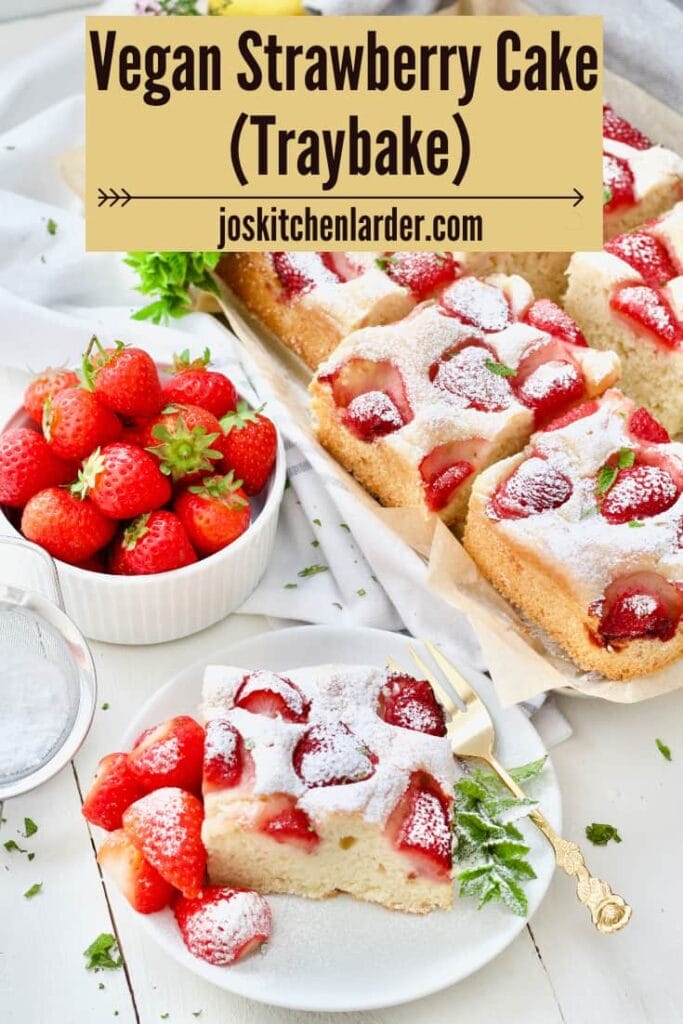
pixel 12 847
pixel 105 706
pixel 345 526
pixel 361 592
pixel 291 586
pixel 103 953
pixel 313 570
pixel 633 523
pixel 664 750
pixel 169 276
pixel 500 369
pixel 600 834
pixel 33 891
pixel 52 227
pixel 626 458
pixel 606 195
pixel 30 828
pixel 490 849
pixel 606 479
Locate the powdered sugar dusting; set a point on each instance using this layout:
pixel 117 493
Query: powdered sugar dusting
pixel 641 605
pixel 257 681
pixel 427 825
pixel 161 812
pixel 478 303
pixel 222 927
pixel 548 377
pixel 375 405
pixel 332 755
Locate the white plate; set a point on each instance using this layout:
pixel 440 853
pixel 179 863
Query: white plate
pixel 341 955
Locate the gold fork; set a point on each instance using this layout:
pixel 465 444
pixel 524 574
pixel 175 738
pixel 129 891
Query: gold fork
pixel 472 734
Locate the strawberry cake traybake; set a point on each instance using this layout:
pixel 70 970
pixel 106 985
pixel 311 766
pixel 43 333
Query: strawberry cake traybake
pixel 416 409
pixel 640 180
pixel 629 298
pixel 583 533
pixel 337 778
pixel 312 300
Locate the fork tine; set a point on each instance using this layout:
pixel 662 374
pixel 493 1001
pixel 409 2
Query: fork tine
pixel 459 684
pixel 443 694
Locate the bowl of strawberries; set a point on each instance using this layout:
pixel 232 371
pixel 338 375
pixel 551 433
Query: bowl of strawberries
pixel 156 490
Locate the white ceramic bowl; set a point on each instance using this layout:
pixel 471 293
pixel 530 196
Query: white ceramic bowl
pixel 154 609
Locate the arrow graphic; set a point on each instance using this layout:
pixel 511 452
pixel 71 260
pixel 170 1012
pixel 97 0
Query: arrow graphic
pixel 112 197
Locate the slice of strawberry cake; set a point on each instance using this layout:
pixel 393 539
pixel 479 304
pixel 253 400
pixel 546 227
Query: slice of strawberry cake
pixel 414 410
pixel 311 300
pixel 583 532
pixel 331 779
pixel 629 298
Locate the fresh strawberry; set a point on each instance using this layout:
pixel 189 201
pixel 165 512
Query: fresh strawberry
pixel 75 423
pixel 420 827
pixel 214 513
pixel 113 789
pixel 193 383
pixel 643 604
pixel 47 385
pixel 547 316
pixel 534 487
pixel 548 386
pixel 420 272
pixel 371 415
pixel 224 755
pixel 344 265
pixel 646 428
pixel 249 446
pixel 28 465
pixel 620 130
pixel 468 375
pixel 186 440
pixel 124 379
pixel 328 754
pixel 298 272
pixel 577 413
pixel 140 883
pixel 447 466
pixel 223 925
pixel 153 543
pixel 169 754
pixel 440 491
pixel 265 693
pixel 69 528
pixel 137 431
pixel 410 704
pixel 284 822
pixel 648 309
pixel 166 826
pixel 474 302
pixel 123 481
pixel 358 376
pixel 646 254
pixel 637 492
pixel 617 178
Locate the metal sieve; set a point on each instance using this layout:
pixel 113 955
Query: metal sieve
pixel 39 641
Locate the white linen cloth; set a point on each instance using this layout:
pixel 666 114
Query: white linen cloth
pixel 53 295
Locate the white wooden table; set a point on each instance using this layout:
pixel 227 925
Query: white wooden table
pixel 558 970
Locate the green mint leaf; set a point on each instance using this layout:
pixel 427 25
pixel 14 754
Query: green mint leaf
pixel 500 369
pixel 633 523
pixel 291 586
pixel 33 891
pixel 600 834
pixel 316 522
pixel 30 828
pixel 105 706
pixel 664 750
pixel 626 458
pixel 315 543
pixel 529 771
pixel 606 479
pixel 606 195
pixel 345 526
pixel 51 227
pixel 312 570
pixel 103 953
pixel 361 592
pixel 13 847
pixel 168 277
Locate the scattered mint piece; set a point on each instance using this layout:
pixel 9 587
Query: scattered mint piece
pixel 626 458
pixel 384 261
pixel 30 856
pixel 606 479
pixel 600 834
pixel 30 828
pixel 345 526
pixel 103 953
pixel 105 706
pixel 169 276
pixel 361 592
pixel 12 847
pixel 500 369
pixel 491 853
pixel 288 484
pixel 313 570
pixel 164 1016
pixel 291 586
pixel 664 750
pixel 633 523
pixel 606 195
pixel 315 543
pixel 52 227
pixel 33 891
pixel 101 985
pixel 317 522
pixel 196 1013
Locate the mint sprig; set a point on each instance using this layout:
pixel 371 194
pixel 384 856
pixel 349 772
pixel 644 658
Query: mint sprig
pixel 500 369
pixel 168 276
pixel 490 848
pixel 600 833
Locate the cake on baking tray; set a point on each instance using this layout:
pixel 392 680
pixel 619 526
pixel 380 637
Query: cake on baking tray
pixel 583 532
pixel 629 298
pixel 416 409
pixel 337 778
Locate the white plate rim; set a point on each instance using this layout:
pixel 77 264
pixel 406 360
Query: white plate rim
pixel 229 980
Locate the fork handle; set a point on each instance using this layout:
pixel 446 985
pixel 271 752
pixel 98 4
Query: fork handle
pixel 609 911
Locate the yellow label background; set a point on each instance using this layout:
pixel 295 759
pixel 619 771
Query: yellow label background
pixel 523 143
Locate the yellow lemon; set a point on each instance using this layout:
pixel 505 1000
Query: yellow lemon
pixel 256 7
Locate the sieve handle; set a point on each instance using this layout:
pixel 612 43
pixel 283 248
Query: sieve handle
pixel 28 545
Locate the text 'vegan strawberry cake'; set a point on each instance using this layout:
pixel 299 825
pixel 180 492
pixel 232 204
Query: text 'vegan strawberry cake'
pixel 629 298
pixel 337 778
pixel 584 533
pixel 415 409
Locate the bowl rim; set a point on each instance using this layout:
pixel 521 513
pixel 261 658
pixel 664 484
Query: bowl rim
pixel 275 491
